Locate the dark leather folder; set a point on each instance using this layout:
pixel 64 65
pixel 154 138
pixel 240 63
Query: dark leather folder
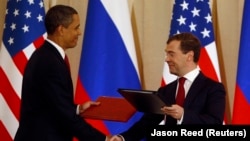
pixel 111 108
pixel 146 101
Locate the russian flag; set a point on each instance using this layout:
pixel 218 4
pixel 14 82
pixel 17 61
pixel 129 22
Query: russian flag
pixel 108 59
pixel 242 88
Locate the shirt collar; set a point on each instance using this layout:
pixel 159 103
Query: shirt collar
pixel 59 49
pixel 192 74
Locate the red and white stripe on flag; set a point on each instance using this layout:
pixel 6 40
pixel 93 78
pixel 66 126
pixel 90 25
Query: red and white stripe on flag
pixel 24 31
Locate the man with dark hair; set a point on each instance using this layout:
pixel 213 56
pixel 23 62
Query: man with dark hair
pixel 48 112
pixel 203 100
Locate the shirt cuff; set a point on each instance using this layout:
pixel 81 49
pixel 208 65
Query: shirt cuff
pixel 121 137
pixel 180 121
pixel 77 110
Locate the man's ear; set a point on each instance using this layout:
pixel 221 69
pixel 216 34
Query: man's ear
pixel 60 30
pixel 190 55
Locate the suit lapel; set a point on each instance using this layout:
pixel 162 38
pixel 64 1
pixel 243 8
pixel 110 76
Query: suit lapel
pixel 195 89
pixel 171 90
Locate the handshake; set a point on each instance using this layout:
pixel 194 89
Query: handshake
pixel 114 138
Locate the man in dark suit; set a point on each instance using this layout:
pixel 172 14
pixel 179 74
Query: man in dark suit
pixel 48 112
pixel 204 98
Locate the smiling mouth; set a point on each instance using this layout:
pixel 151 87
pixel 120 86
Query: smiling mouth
pixel 170 65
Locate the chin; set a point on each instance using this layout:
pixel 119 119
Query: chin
pixel 173 72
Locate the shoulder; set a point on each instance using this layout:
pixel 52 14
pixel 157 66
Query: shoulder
pixel 170 86
pixel 209 82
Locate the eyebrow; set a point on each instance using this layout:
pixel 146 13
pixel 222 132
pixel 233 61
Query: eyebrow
pixel 169 51
pixel 77 26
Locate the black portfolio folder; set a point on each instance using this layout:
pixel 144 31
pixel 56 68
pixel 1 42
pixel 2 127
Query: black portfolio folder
pixel 146 101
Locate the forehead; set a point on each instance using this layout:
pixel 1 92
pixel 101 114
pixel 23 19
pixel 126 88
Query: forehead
pixel 173 45
pixel 75 20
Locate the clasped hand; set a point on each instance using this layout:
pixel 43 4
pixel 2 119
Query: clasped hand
pixel 174 110
pixel 114 138
pixel 87 104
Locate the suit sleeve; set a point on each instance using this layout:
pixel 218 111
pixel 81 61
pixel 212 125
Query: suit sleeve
pixel 139 130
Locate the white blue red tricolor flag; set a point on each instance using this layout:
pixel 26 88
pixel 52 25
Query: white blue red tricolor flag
pixel 195 16
pixel 108 59
pixel 242 87
pixel 24 31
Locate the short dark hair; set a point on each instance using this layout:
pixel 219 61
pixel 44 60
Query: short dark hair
pixel 189 42
pixel 58 15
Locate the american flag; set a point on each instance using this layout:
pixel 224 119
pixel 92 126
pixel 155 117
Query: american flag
pixel 24 31
pixel 195 16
